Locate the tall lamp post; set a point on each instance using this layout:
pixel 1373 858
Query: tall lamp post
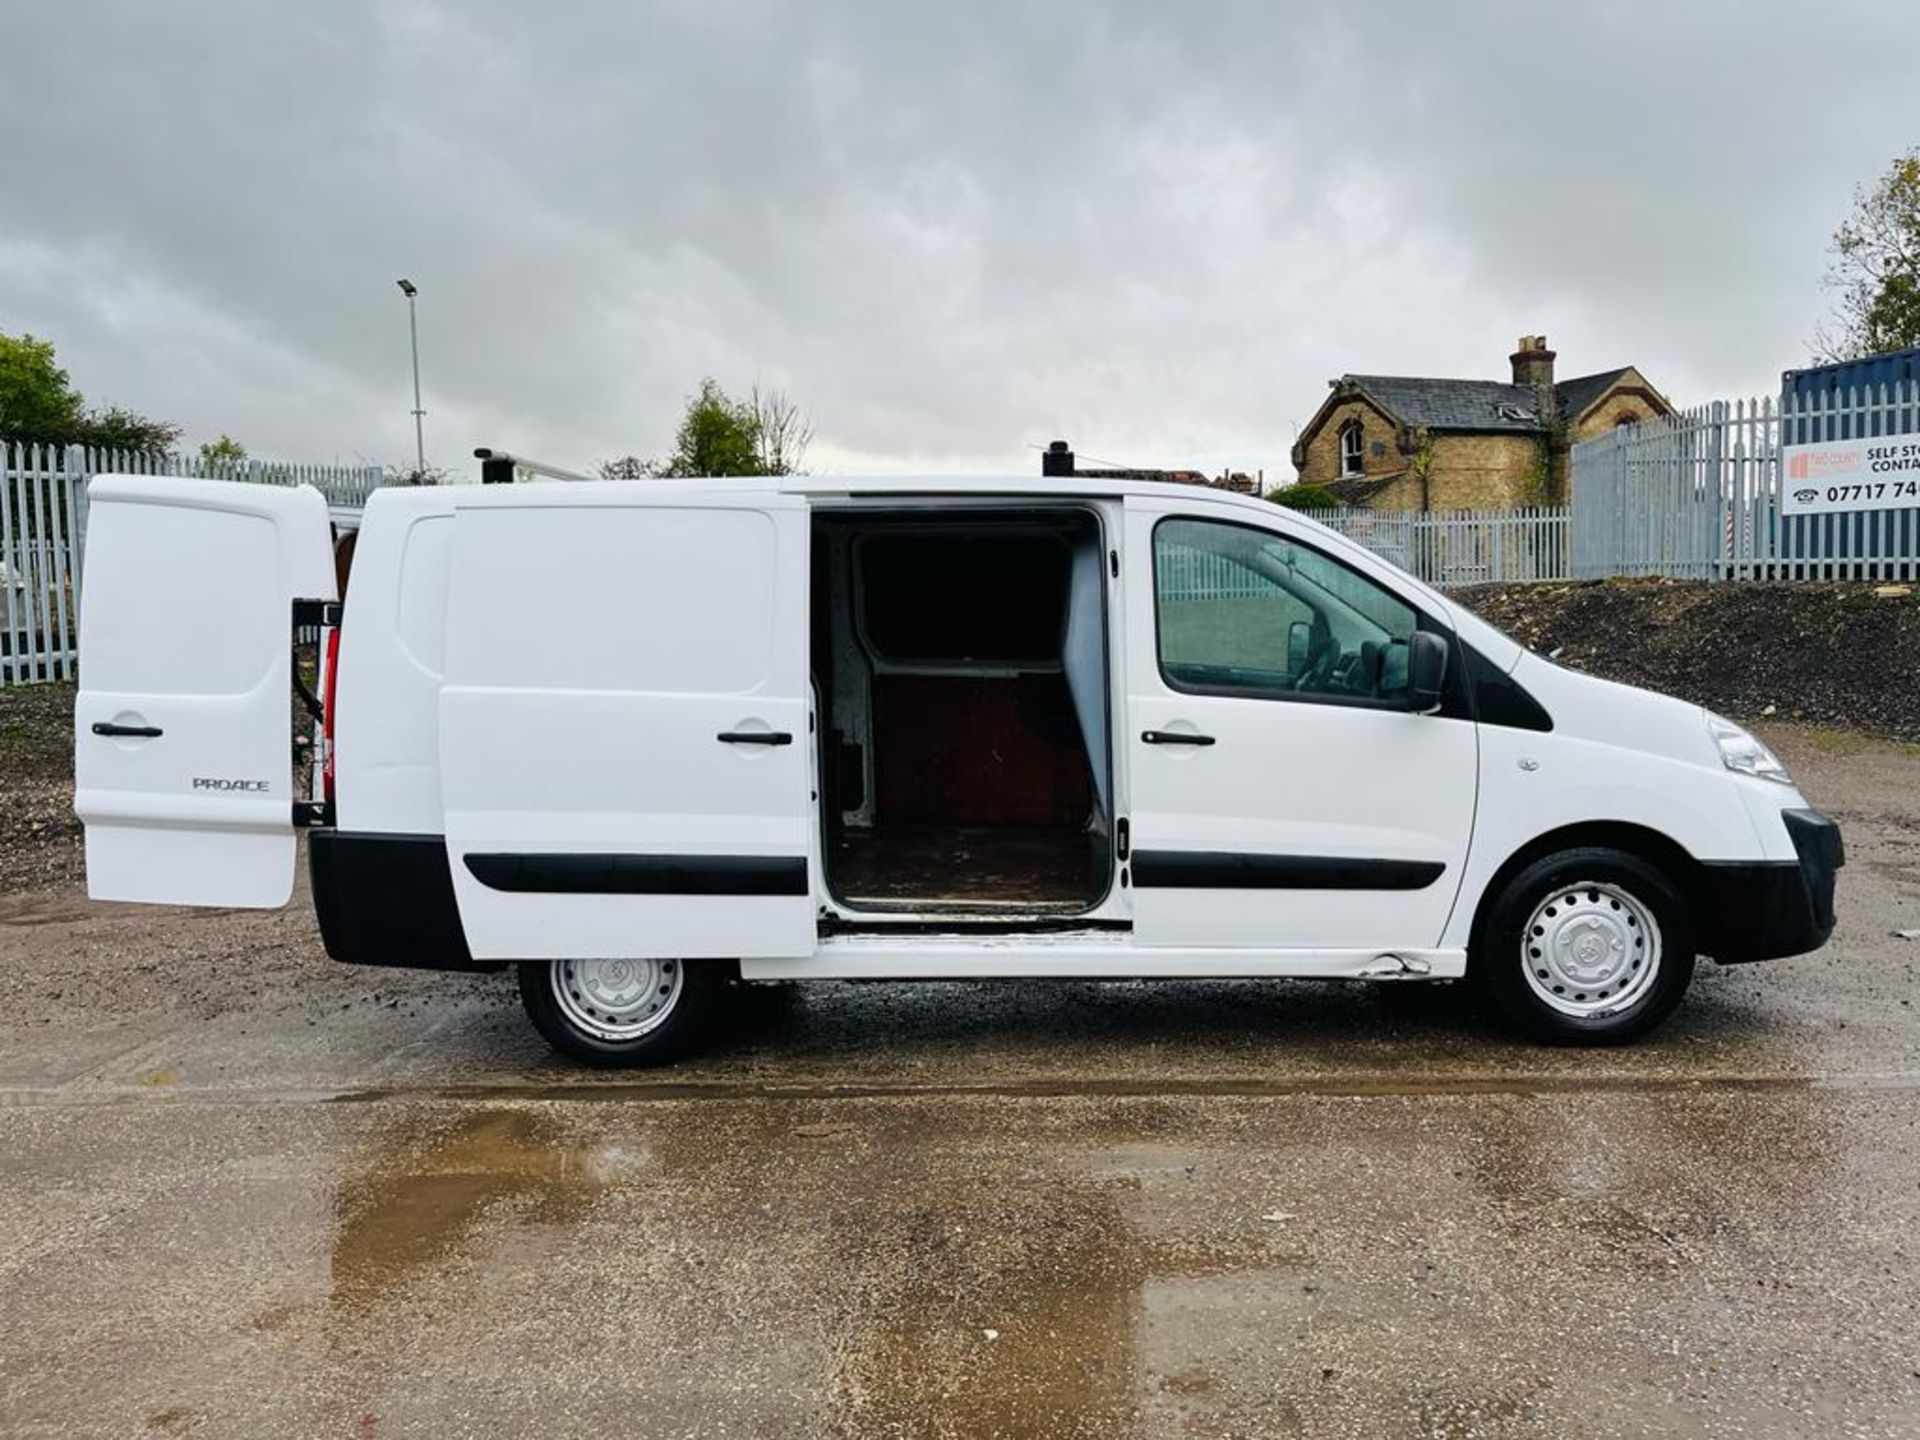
pixel 410 290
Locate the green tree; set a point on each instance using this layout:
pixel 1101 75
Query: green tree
pixel 764 434
pixel 223 454
pixel 1875 268
pixel 1304 497
pixel 628 467
pixel 38 404
pixel 1420 466
pixel 717 436
pixel 113 428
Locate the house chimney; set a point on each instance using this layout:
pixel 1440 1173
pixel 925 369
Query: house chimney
pixel 1057 459
pixel 1533 362
pixel 1533 366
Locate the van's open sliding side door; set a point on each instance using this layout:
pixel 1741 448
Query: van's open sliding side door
pixel 623 726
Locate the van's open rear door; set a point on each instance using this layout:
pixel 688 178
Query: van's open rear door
pixel 623 726
pixel 183 757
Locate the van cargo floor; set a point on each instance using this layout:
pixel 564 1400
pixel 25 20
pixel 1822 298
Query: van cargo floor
pixel 973 865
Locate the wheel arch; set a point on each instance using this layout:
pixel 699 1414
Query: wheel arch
pixel 1642 841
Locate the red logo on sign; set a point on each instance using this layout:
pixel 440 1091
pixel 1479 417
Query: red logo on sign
pixel 1820 464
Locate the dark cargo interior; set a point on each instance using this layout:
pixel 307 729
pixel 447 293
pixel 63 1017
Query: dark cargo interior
pixel 959 668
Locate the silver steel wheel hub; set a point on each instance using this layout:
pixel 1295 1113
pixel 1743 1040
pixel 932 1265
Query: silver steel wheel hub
pixel 617 999
pixel 1590 949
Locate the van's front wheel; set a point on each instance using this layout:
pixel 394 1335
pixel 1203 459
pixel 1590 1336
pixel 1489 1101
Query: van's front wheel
pixel 1587 947
pixel 620 1012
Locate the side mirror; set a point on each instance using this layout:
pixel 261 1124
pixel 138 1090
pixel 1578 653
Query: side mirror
pixel 1299 645
pixel 1426 671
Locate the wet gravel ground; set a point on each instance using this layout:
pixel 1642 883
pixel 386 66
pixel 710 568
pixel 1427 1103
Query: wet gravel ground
pixel 250 1192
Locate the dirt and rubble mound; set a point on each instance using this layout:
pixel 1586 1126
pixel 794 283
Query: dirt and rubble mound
pixel 1845 655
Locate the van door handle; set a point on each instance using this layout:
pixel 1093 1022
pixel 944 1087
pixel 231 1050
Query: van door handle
pixel 755 737
pixel 1174 737
pixel 144 732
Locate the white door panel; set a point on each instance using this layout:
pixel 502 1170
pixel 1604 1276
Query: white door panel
pixel 600 649
pixel 1305 823
pixel 183 769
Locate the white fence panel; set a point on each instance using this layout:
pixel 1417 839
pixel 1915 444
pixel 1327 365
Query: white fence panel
pixel 40 528
pixel 43 529
pixel 1466 547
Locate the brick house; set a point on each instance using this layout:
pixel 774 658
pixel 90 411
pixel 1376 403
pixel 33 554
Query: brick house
pixel 1406 442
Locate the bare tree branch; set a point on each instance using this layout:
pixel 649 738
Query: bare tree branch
pixel 781 432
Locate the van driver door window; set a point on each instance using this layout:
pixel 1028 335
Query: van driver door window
pixel 1242 611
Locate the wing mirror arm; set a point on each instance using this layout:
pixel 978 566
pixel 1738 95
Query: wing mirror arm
pixel 1299 647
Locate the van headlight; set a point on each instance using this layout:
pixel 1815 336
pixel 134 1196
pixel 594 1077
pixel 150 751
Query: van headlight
pixel 1743 754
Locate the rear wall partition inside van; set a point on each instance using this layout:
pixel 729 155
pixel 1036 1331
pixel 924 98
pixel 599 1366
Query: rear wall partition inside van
pixel 961 683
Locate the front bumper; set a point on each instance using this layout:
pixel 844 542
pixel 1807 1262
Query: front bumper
pixel 1766 909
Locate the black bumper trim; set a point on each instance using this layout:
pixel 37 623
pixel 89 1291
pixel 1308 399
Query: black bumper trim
pixel 385 899
pixel 1232 870
pixel 1767 910
pixel 616 874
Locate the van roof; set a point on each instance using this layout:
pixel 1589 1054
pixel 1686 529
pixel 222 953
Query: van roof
pixel 1039 487
pixel 1026 486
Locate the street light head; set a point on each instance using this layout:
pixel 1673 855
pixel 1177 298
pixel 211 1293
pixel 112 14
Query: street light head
pixel 408 289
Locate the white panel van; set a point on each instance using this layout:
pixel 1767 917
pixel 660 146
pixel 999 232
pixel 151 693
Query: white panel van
pixel 642 740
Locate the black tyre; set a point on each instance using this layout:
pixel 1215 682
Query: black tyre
pixel 623 1013
pixel 1591 946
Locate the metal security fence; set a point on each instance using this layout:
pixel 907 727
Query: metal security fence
pixel 1698 495
pixel 1469 547
pixel 43 528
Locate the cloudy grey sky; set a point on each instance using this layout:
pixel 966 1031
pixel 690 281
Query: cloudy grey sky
pixel 952 232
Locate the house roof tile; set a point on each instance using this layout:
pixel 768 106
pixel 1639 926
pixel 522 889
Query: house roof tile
pixel 1581 391
pixel 1478 405
pixel 1453 404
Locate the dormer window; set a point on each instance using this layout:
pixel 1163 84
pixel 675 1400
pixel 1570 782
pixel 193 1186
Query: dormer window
pixel 1352 462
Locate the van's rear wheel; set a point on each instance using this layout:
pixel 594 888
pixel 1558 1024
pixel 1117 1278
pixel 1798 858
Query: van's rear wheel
pixel 621 1012
pixel 1587 947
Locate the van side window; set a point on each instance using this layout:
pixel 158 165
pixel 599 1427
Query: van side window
pixel 1242 611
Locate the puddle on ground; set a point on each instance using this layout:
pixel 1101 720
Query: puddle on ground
pixel 933 1267
pixel 1013 1325
pixel 1607 1166
pixel 1093 1293
pixel 1037 1310
pixel 420 1202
